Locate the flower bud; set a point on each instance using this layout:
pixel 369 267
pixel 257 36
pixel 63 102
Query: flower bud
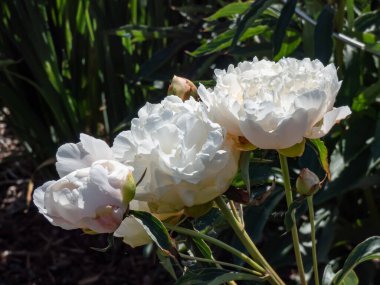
pixel 129 189
pixel 183 88
pixel 307 182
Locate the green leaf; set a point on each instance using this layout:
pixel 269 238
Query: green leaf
pixel 328 275
pixel 256 9
pixel 203 248
pixel 155 229
pixel 293 151
pixel 229 10
pixel 224 40
pixel 367 97
pixel 367 250
pixel 244 161
pixel 215 276
pixel 350 279
pixel 288 220
pixel 323 42
pixel 166 262
pixel 321 149
pixel 283 22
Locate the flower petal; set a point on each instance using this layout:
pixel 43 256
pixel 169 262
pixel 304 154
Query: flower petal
pixel 71 157
pixel 329 120
pixel 132 232
pixel 289 132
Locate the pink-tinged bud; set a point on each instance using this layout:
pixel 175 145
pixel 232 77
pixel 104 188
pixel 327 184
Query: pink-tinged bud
pixel 308 182
pixel 183 88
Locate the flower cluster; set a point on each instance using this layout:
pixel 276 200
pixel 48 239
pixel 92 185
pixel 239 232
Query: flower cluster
pixel 185 153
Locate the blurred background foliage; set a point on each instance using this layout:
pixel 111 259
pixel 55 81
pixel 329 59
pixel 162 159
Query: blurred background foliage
pixel 87 66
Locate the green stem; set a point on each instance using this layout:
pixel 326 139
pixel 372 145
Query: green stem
pixel 289 200
pixel 313 243
pixel 219 243
pixel 217 262
pixel 247 242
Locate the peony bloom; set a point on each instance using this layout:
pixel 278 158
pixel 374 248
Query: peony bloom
pixel 275 105
pixel 88 198
pixel 89 195
pixel 71 157
pixel 187 159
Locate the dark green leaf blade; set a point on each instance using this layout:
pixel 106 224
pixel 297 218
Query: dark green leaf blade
pixel 368 249
pixel 229 10
pixel 155 229
pixel 323 42
pixel 253 12
pixel 282 23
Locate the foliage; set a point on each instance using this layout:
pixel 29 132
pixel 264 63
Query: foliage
pixel 72 66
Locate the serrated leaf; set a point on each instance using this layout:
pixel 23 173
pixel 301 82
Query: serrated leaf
pixel 368 249
pixel 321 149
pixel 252 13
pixel 288 220
pixel 215 276
pixel 244 161
pixel 323 41
pixel 229 10
pixel 155 229
pixel 282 23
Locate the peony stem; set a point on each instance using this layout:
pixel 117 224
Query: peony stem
pixel 247 242
pixel 217 262
pixel 219 243
pixel 314 245
pixel 289 200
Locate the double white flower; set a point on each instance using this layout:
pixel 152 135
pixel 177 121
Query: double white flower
pixel 275 105
pixel 89 193
pixel 187 159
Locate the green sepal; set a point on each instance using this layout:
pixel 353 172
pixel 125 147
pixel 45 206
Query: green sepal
pixel 128 190
pixel 198 210
pixel 293 151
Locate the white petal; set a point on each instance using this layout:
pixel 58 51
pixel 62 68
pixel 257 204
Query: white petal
pixel 329 120
pixel 97 149
pixel 71 157
pixel 132 232
pixel 290 132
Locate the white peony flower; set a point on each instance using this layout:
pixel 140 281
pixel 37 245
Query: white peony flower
pixel 88 198
pixel 187 158
pixel 275 105
pixel 71 157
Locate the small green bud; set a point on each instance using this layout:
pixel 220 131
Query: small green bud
pixel 129 189
pixel 308 182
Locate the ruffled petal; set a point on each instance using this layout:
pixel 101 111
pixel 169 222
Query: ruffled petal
pixel 329 120
pixel 289 132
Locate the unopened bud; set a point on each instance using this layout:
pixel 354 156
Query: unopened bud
pixel 182 88
pixel 129 189
pixel 308 182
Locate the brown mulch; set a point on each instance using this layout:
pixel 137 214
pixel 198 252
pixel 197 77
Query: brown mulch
pixel 32 251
